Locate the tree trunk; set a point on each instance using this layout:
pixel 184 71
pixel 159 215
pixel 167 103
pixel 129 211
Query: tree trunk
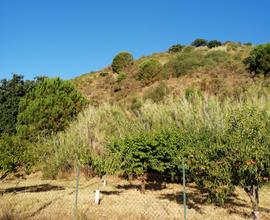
pixel 143 183
pixel 253 193
pixel 130 178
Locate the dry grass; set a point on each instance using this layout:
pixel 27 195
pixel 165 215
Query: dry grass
pixel 34 198
pixel 214 80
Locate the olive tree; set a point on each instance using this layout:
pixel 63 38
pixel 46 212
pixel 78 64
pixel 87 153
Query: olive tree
pixel 258 61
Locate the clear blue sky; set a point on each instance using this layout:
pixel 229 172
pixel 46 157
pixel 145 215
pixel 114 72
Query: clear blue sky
pixel 67 38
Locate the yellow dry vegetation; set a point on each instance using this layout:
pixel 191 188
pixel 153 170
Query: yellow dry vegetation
pixel 35 198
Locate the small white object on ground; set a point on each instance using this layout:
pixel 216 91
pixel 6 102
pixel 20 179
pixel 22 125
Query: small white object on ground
pixel 97 195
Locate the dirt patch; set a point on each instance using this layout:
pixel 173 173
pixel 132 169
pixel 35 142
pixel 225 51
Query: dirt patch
pixel 34 198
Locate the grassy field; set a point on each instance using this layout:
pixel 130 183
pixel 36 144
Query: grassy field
pixel 34 198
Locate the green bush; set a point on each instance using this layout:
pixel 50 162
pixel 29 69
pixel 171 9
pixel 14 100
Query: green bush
pixel 176 48
pixel 121 76
pixel 199 42
pixel 136 104
pixel 213 43
pixel 149 153
pixel 188 49
pixel 258 61
pixel 15 153
pixel 104 74
pixel 121 61
pixel 217 56
pixel 149 69
pixel 48 108
pixel 185 63
pixel 157 93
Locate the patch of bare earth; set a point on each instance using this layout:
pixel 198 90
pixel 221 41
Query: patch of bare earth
pixel 34 198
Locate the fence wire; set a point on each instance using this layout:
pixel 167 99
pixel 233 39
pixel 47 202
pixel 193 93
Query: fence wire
pixel 81 197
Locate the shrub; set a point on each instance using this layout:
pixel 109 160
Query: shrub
pixel 104 74
pixel 149 69
pixel 157 93
pixel 184 63
pixel 176 48
pixel 15 153
pixel 188 49
pixel 213 43
pixel 121 76
pixel 121 61
pixel 48 108
pixel 199 42
pixel 258 61
pixel 217 56
pixel 135 105
pixel 146 152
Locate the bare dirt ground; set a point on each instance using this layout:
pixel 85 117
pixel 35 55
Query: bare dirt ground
pixel 34 198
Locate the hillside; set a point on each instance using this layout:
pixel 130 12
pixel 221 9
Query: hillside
pixel 217 71
pixel 194 115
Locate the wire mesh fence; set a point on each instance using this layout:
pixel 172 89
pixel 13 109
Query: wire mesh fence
pixel 82 197
pixel 78 196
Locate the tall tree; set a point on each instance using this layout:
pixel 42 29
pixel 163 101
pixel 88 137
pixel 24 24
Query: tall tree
pixel 48 108
pixel 10 93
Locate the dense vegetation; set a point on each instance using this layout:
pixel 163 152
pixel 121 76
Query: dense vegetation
pixel 11 91
pixel 48 108
pixel 217 120
pixel 121 61
pixel 149 69
pixel 33 110
pixel 258 62
pixel 225 144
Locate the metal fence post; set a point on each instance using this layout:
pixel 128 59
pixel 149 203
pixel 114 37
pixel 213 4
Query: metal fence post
pixel 75 209
pixel 184 189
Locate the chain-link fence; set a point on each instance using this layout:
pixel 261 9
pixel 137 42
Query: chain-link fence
pixel 79 196
pixel 82 197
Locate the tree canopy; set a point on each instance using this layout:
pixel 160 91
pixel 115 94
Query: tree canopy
pixel 48 108
pixel 258 61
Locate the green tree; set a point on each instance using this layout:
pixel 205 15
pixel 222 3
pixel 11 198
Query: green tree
pixel 239 156
pixel 258 61
pixel 248 143
pixel 10 93
pixel 148 152
pixel 199 42
pixel 121 61
pixel 14 154
pixel 48 108
pixel 176 48
pixel 149 69
pixel 213 43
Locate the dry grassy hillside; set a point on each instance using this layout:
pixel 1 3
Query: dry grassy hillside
pixel 225 76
